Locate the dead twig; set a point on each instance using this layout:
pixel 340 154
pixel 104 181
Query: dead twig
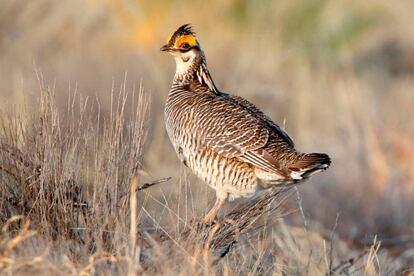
pixel 244 219
pixel 346 264
pixel 148 184
pixel 152 183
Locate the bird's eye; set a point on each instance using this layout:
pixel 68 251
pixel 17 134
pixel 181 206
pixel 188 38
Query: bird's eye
pixel 185 45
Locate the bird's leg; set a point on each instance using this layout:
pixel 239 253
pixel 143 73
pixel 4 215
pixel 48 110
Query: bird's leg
pixel 220 200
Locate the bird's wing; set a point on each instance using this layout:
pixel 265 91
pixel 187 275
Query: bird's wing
pixel 232 130
pixel 227 128
pixel 278 132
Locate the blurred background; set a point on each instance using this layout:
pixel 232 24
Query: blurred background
pixel 338 75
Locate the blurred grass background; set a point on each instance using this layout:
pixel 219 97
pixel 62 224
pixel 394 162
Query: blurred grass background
pixel 337 74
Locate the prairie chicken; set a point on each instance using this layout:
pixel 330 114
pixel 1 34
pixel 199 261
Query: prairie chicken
pixel 224 139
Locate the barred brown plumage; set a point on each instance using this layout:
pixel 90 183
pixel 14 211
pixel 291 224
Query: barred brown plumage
pixel 224 139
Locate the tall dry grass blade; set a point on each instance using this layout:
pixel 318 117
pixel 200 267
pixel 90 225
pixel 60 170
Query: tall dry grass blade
pixel 133 226
pixel 372 262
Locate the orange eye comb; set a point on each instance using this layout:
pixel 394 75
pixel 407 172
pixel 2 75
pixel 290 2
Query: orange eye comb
pixel 190 39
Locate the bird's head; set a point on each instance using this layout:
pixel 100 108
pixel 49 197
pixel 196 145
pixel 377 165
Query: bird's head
pixel 182 41
pixel 185 48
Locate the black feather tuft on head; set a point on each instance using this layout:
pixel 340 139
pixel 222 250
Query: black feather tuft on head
pixel 185 29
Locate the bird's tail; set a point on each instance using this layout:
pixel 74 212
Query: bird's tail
pixel 309 164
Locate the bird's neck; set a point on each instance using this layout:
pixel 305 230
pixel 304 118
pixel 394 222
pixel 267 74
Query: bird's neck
pixel 193 68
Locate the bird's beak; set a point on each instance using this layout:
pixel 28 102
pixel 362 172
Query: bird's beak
pixel 165 48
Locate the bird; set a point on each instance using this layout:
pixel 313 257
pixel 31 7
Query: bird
pixel 224 139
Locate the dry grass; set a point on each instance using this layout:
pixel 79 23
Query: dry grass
pixel 69 172
pixel 71 207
